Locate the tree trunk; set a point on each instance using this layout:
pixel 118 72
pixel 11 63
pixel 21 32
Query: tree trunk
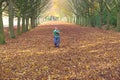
pixel 101 13
pixel 74 19
pixel 27 23
pixel 77 19
pixel 11 16
pixel 80 20
pixel 118 21
pixel 88 20
pixel 18 26
pixel 92 21
pixel 36 22
pixel 68 19
pixel 2 37
pixel 23 24
pixel 84 21
pixel 108 21
pixel 33 22
pixel 100 25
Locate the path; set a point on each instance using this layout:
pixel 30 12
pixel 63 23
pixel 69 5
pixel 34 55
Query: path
pixel 85 54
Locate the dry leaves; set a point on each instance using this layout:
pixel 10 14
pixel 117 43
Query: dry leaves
pixel 85 54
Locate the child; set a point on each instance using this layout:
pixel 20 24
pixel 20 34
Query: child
pixel 56 33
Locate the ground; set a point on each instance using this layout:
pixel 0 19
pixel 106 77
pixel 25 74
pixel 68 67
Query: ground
pixel 85 53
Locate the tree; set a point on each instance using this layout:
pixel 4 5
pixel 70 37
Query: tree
pixel 2 36
pixel 24 9
pixel 11 17
pixel 117 2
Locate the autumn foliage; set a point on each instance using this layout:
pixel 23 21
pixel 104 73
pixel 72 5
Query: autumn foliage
pixel 85 53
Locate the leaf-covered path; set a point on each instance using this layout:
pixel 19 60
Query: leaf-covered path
pixel 85 53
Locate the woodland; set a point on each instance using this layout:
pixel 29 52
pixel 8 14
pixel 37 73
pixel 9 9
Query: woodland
pixel 89 47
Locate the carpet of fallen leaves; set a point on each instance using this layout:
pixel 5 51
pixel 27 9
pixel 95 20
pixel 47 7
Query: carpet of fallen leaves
pixel 85 53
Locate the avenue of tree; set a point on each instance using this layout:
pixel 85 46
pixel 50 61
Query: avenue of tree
pixel 22 9
pixel 92 12
pixel 95 12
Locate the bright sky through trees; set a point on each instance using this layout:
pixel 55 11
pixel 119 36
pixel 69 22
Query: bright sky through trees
pixel 55 10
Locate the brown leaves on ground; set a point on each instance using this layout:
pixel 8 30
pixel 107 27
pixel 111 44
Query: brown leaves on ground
pixel 85 54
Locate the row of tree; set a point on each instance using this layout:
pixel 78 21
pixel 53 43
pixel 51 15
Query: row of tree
pixel 27 10
pixel 92 12
pixel 96 12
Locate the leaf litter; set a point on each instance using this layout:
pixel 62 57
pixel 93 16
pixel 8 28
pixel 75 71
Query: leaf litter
pixel 85 53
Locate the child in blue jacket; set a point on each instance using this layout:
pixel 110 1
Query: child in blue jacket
pixel 56 33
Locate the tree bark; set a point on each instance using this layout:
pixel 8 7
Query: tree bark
pixel 18 26
pixel 2 36
pixel 118 20
pixel 32 22
pixel 74 19
pixel 100 20
pixel 23 24
pixel 108 20
pixel 77 19
pixel 27 23
pixel 11 16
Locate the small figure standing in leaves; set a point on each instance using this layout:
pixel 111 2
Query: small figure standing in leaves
pixel 56 33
